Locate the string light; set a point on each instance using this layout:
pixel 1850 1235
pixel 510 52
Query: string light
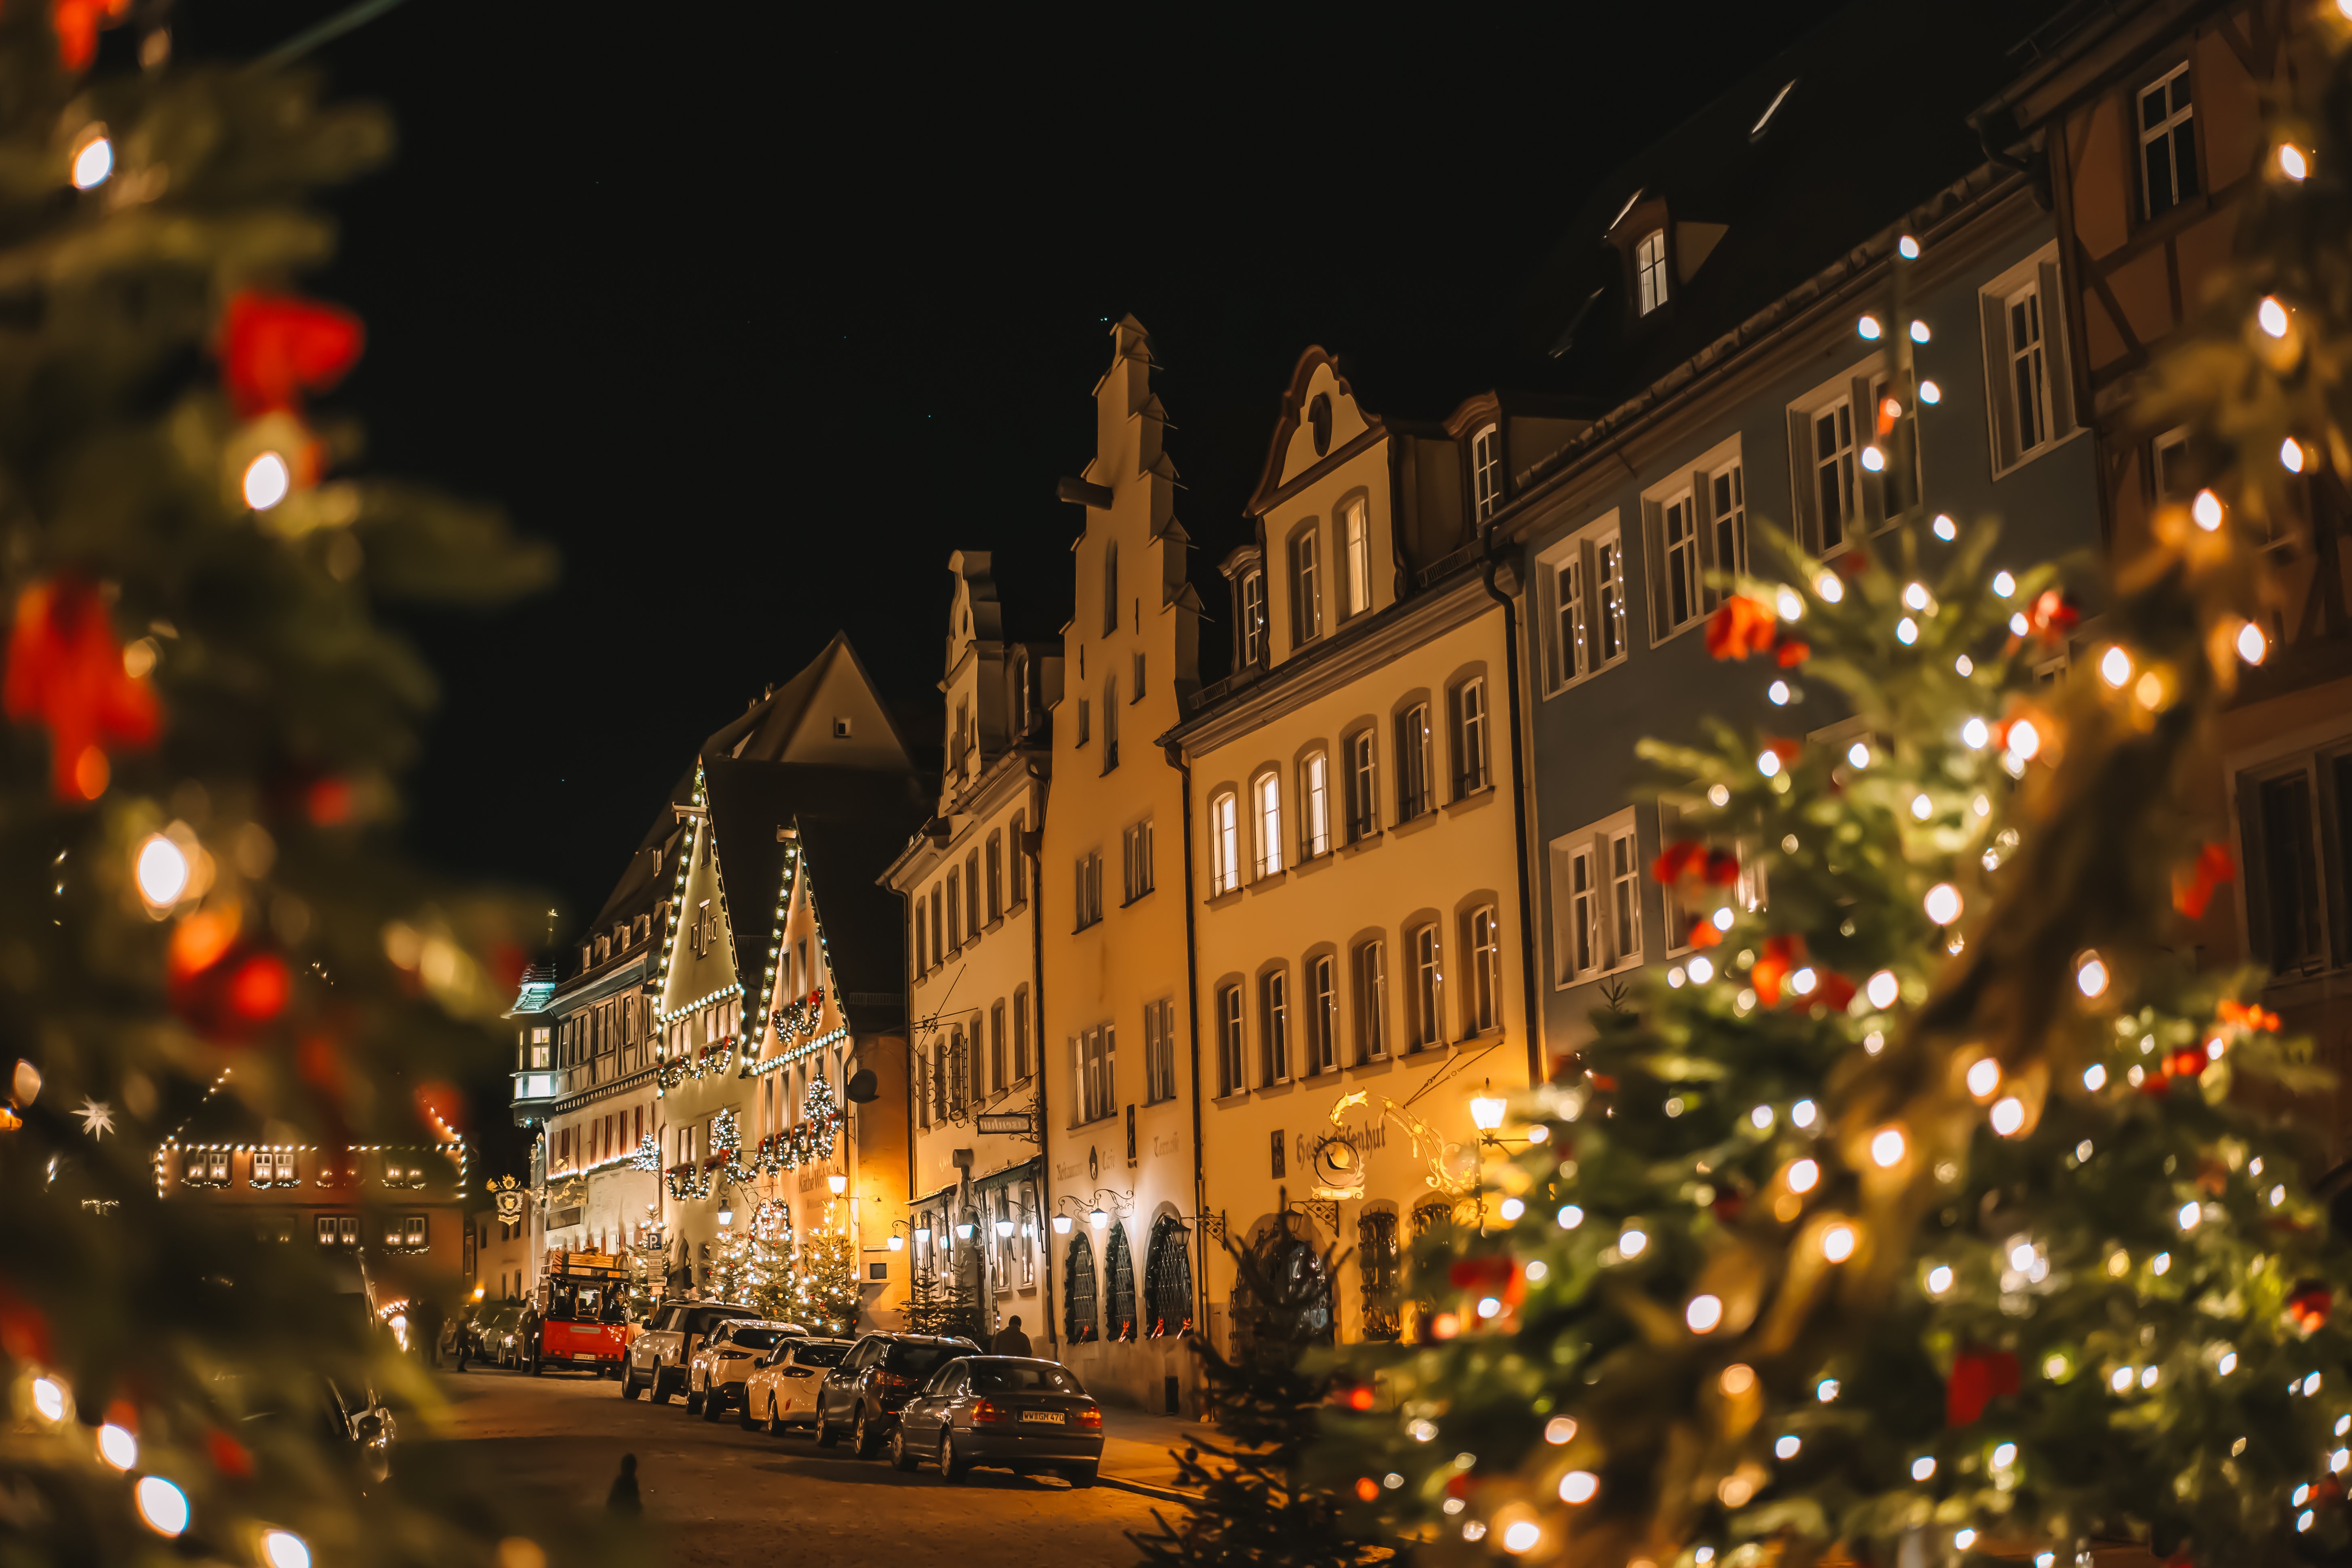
pixel 1976 734
pixel 1984 1078
pixel 2008 1117
pixel 1907 248
pixel 1560 1429
pixel 164 1506
pixel 1858 754
pixel 1873 457
pixel 1569 1216
pixel 1801 1113
pixel 1918 331
pixel 93 161
pixel 1769 763
pixel 267 481
pixel 1778 693
pixel 1790 608
pixel 1882 989
pixel 1907 631
pixel 1579 1487
pixel 2090 973
pixel 2094 1078
pixel 2115 667
pixel 2253 647
pixel 2024 741
pixel 2272 316
pixel 1943 527
pixel 1942 903
pixel 1705 1314
pixel 284 1548
pixel 2293 163
pixel 2004 585
pixel 1804 1176
pixel 1828 589
pixel 1788 1446
pixel 1521 1536
pixel 1737 1379
pixel 162 871
pixel 2291 456
pixel 2191 1213
pixel 117 1447
pixel 1631 1242
pixel 1838 1243
pixel 1869 328
pixel 49 1398
pixel 1940 1280
pixel 1887 1147
pixel 2206 509
pixel 1702 969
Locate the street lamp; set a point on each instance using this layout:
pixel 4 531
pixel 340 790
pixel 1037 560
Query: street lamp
pixel 1003 1230
pixel 839 1185
pixel 1061 1224
pixel 1097 1218
pixel 726 1216
pixel 963 1230
pixel 1487 1110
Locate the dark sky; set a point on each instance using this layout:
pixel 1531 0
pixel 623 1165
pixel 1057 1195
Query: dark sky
pixel 758 321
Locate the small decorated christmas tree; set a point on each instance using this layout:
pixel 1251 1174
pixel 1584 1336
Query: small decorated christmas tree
pixel 944 1303
pixel 824 1281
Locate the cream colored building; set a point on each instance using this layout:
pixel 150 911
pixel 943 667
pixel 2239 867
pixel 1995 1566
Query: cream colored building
pixel 968 879
pixel 1117 1026
pixel 1356 852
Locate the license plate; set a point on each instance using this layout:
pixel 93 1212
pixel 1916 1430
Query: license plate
pixel 584 1355
pixel 1050 1418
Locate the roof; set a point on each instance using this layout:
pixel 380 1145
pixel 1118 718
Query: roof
pixel 225 1117
pixel 767 726
pixel 852 823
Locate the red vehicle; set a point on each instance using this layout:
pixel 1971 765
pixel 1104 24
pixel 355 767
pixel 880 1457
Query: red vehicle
pixel 579 1317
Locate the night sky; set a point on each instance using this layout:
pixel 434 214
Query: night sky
pixel 758 321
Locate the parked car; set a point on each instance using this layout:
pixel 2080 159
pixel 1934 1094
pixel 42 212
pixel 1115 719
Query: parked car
pixel 1009 1412
pixel 780 1389
pixel 865 1392
pixel 492 1335
pixel 658 1358
pixel 722 1361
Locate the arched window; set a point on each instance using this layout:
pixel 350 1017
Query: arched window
pixel 1266 806
pixel 1168 1281
pixel 1078 1294
pixel 1110 586
pixel 1118 1267
pixel 1225 843
pixel 1294 1269
pixel 1381 1258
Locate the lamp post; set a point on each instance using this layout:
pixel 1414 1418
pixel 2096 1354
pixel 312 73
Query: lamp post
pixel 1487 1111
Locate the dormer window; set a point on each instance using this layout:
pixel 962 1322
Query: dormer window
pixel 1650 270
pixel 1486 472
pixel 1253 617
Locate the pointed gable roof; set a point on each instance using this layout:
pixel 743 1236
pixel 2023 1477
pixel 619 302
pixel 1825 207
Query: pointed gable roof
pixel 794 722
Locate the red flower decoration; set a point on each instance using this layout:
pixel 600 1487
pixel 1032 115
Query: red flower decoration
pixel 1978 1377
pixel 2192 893
pixel 1742 626
pixel 77 25
pixel 65 670
pixel 274 347
pixel 2308 1307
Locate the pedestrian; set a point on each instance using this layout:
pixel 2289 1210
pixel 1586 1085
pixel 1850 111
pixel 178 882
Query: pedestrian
pixel 624 1498
pixel 1010 1340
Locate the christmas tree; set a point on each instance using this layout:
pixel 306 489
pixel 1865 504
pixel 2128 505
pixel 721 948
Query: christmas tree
pixel 1262 1498
pixel 204 726
pixel 754 1265
pixel 1938 1207
pixel 824 1281
pixel 944 1304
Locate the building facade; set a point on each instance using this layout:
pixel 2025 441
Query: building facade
pixel 977 1220
pixel 1354 859
pixel 1120 1107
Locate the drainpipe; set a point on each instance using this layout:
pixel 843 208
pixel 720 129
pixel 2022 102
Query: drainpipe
pixel 1519 814
pixel 1175 755
pixel 1037 1023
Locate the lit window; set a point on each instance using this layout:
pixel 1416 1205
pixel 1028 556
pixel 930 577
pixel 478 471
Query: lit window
pixel 1232 1072
pixel 1470 775
pixel 1253 617
pixel 1413 763
pixel 1277 1039
pixel 1356 540
pixel 1314 804
pixel 1225 844
pixel 1426 1025
pixel 1323 1019
pixel 1486 472
pixel 1267 806
pixel 1650 270
pixel 1305 588
pixel 1485 1001
pixel 1597 901
pixel 1833 474
pixel 1363 785
pixel 1372 1001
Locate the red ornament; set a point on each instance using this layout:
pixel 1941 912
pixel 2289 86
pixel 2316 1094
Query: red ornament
pixel 2192 893
pixel 1978 1377
pixel 1491 1275
pixel 24 1330
pixel 2052 617
pixel 1704 934
pixel 2187 1062
pixel 1742 626
pixel 2253 1017
pixel 2308 1308
pixel 1780 959
pixel 1835 992
pixel 224 986
pixel 229 1456
pixel 65 670
pixel 1682 858
pixel 274 347
pixel 77 24
pixel 1793 653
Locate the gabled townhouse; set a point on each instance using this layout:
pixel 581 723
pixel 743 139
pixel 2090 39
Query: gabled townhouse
pixel 2143 122
pixel 1121 1108
pixel 1359 908
pixel 977 1216
pixel 1708 301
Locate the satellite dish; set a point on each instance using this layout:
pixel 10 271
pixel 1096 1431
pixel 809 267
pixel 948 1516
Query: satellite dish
pixel 862 1087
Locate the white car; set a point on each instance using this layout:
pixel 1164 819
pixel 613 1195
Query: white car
pixel 781 1391
pixel 658 1359
pixel 714 1374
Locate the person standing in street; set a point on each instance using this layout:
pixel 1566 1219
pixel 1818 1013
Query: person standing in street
pixel 1010 1340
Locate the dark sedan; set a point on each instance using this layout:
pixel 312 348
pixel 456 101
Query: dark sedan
pixel 1008 1412
pixel 881 1373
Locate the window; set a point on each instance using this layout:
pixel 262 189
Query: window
pixel 996 1047
pixel 1315 805
pixel 338 1230
pixel 1078 1324
pixel 1679 583
pixel 1363 785
pixel 1597 900
pixel 1135 856
pixel 1021 1033
pixel 1372 1001
pixel 995 877
pixel 974 1063
pixel 1274 1002
pixel 1168 1279
pixel 2168 468
pixel 1086 722
pixel 1469 705
pixel 1305 588
pixel 1583 581
pixel 1482 1008
pixel 1833 475
pixel 1727 492
pixel 1111 724
pixel 1355 560
pixel 1426 1027
pixel 939 927
pixel 1118 1268
pixel 1091 1060
pixel 1323 1016
pixel 1381 1260
pixel 955 909
pixel 1135 686
pixel 1232 1071
pixel 1254 618
pixel 2297 859
pixel 2026 373
pixel 1159 1051
pixel 1650 271
pixel 1089 889
pixel 955 1069
pixel 1486 472
pixel 1110 587
pixel 1225 844
pixel 1020 852
pixel 1266 806
pixel 1695 521
pixel 972 895
pixel 1413 763
pixel 2167 142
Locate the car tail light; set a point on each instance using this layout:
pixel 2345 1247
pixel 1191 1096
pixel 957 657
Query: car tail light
pixel 1090 1417
pixel 986 1411
pixel 892 1380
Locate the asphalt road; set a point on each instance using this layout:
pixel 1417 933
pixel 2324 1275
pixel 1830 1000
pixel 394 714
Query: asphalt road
pixel 717 1495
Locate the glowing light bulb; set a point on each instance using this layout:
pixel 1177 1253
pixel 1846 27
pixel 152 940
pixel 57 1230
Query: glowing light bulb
pixel 267 481
pixel 1802 1113
pixel 1828 589
pixel 1778 693
pixel 2191 1213
pixel 162 871
pixel 1768 763
pixel 2206 510
pixel 1907 248
pixel 1942 903
pixel 2094 1078
pixel 1837 1243
pixel 1922 809
pixel 1916 595
pixel 1522 1536
pixel 1705 1314
pixel 49 1398
pixel 94 162
pixel 1984 1076
pixel 2008 1117
pixel 1702 969
pixel 1803 981
pixel 1922 1469
pixel 1826 1391
pixel 2004 585
pixel 117 1447
pixel 1790 608
pixel 1965 666
pixel 2291 162
pixel 1570 1217
pixel 2115 667
pixel 164 1506
pixel 1579 1487
pixel 1976 734
pixel 1940 1280
pixel 1788 1446
pixel 1882 989
pixel 1858 754
pixel 2253 647
pixel 1907 631
pixel 2024 739
pixel 1869 328
pixel 1963 1539
pixel 2272 316
pixel 1873 457
pixel 1560 1429
pixel 1630 1243
pixel 2090 973
pixel 2291 456
pixel 1804 1176
pixel 1931 394
pixel 1760 1118
pixel 1887 1147
pixel 284 1548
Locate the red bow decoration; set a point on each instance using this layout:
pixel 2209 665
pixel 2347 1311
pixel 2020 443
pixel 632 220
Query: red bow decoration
pixel 2192 893
pixel 2308 1308
pixel 77 24
pixel 1978 1377
pixel 1781 956
pixel 65 670
pixel 274 347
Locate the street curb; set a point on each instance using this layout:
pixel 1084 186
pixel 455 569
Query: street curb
pixel 1147 1489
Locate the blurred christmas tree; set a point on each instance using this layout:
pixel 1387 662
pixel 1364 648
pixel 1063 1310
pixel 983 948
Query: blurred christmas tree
pixel 824 1282
pixel 205 724
pixel 1939 1208
pixel 944 1304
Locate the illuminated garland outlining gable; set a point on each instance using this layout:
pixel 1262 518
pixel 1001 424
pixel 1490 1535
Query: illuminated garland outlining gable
pixel 783 1059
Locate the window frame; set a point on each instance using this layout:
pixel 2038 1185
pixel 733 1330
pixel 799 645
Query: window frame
pixel 1486 478
pixel 1265 823
pixel 1425 998
pixel 1314 804
pixel 1652 283
pixel 1482 1000
pixel 1470 719
pixel 1274 1026
pixel 1370 980
pixel 2321 757
pixel 1135 854
pixel 1233 1041
pixel 1683 534
pixel 1584 553
pixel 2178 123
pixel 2041 274
pixel 1224 843
pixel 1322 1014
pixel 1305 554
pixel 1253 616
pixel 1354 522
pixel 1585 910
pixel 1363 783
pixel 1416 786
